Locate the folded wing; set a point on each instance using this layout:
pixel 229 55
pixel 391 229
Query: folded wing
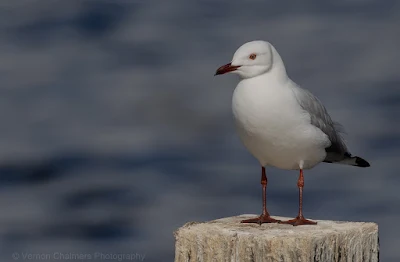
pixel 321 119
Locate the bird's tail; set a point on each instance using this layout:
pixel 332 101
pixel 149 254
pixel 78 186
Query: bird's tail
pixel 354 161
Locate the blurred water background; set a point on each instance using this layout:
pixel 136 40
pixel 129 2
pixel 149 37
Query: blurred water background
pixel 115 131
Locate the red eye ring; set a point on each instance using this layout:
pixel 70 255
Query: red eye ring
pixel 253 56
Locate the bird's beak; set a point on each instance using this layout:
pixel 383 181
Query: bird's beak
pixel 226 69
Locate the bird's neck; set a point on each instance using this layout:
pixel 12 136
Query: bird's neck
pixel 277 75
pixel 278 70
pixel 270 80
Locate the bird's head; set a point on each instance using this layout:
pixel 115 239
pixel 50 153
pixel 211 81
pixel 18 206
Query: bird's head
pixel 250 60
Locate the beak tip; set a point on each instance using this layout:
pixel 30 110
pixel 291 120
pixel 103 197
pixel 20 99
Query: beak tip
pixel 225 69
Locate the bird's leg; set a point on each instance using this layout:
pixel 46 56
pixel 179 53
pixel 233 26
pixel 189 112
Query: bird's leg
pixel 300 220
pixel 264 217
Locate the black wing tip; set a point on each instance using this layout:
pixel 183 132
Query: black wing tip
pixel 361 162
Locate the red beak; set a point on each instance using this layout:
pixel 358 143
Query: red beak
pixel 226 69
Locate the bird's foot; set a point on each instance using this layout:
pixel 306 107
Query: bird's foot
pixel 298 221
pixel 261 219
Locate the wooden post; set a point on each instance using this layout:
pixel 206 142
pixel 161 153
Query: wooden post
pixel 228 240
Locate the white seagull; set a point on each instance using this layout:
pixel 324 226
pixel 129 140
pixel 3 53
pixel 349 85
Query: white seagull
pixel 281 124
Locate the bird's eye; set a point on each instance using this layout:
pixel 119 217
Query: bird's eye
pixel 253 56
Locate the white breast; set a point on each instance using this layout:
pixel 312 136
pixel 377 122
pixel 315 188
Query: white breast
pixel 273 126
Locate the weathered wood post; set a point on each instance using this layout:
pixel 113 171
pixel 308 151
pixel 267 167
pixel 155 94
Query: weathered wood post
pixel 228 240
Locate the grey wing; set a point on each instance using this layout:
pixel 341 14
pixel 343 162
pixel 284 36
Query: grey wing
pixel 321 119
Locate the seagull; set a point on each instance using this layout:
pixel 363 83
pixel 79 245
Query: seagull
pixel 281 124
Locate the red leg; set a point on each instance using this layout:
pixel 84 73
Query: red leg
pixel 300 220
pixel 264 217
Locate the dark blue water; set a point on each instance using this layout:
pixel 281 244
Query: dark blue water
pixel 115 132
